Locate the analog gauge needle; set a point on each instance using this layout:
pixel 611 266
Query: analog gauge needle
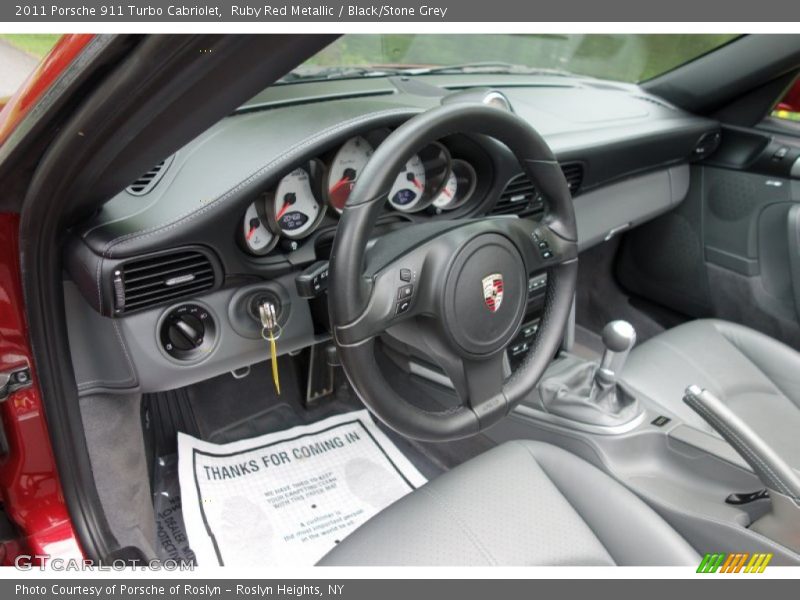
pixel 412 178
pixel 340 188
pixel 255 223
pixel 288 200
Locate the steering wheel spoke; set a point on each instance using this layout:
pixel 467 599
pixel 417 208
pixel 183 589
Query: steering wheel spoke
pixel 478 382
pixel 482 385
pixel 398 269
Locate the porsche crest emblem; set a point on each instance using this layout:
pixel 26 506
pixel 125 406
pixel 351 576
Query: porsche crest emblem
pixel 493 291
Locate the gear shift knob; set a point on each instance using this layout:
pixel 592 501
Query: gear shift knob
pixel 618 338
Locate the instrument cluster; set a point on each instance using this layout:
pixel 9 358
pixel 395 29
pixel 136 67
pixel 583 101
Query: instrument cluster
pixel 432 181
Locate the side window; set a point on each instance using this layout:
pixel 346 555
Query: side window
pixel 789 106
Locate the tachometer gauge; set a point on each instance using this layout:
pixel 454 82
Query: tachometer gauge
pixel 458 188
pixel 294 206
pixel 345 169
pixel 409 187
pixel 257 237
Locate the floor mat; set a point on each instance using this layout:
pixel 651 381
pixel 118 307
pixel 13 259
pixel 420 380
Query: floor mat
pixel 173 543
pixel 199 411
pixel 287 498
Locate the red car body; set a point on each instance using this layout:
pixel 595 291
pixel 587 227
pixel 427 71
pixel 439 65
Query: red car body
pixel 791 102
pixel 29 484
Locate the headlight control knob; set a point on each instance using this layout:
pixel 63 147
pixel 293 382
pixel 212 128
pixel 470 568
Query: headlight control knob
pixel 188 332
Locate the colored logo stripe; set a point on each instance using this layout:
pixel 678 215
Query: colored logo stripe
pixel 734 563
pixel 710 563
pixel 758 563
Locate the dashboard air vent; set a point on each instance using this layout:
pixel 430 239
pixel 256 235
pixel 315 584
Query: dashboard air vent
pixel 574 174
pixel 146 183
pixel 519 197
pixel 146 282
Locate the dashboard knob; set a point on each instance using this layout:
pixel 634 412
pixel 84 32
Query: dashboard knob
pixel 187 332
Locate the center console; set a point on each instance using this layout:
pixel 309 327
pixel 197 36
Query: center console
pixel 717 494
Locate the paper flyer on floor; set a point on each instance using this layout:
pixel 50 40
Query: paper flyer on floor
pixel 287 498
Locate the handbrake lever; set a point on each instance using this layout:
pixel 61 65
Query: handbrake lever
pixel 783 482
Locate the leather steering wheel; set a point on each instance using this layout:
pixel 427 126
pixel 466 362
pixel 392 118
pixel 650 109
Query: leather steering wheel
pixel 469 278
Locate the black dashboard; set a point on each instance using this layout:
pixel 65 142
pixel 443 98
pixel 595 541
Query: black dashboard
pixel 252 204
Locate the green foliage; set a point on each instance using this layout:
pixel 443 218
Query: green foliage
pixel 786 114
pixel 622 57
pixel 37 45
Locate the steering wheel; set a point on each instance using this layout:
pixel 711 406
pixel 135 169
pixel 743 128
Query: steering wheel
pixel 468 278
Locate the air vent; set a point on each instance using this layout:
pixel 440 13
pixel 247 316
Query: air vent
pixel 146 183
pixel 520 197
pixel 166 277
pixel 706 145
pixel 574 174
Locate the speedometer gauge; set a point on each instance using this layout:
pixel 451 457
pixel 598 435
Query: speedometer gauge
pixel 295 208
pixel 347 165
pixel 409 186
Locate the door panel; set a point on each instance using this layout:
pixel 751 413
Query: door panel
pixel 731 250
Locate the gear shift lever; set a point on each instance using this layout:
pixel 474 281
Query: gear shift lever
pixel 589 393
pixel 618 338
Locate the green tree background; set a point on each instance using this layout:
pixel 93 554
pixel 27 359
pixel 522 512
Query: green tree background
pixel 622 57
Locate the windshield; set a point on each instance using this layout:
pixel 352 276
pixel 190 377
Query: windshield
pixel 622 57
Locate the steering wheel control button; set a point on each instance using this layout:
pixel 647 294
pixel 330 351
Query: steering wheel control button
pixel 187 332
pixel 537 282
pixel 402 307
pixel 518 349
pixel 405 274
pixel 544 248
pixel 528 331
pixel 405 292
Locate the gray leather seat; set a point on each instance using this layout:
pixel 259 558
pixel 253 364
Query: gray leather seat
pixel 756 376
pixel 522 503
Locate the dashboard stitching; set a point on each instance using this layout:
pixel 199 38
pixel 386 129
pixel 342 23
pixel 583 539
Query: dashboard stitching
pixel 99 270
pixel 188 216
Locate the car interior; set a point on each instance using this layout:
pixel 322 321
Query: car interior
pixel 572 302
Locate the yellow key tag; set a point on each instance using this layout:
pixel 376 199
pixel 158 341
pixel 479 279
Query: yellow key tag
pixel 269 322
pixel 273 350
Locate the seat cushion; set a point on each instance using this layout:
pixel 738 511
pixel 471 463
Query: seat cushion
pixel 754 375
pixel 522 503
